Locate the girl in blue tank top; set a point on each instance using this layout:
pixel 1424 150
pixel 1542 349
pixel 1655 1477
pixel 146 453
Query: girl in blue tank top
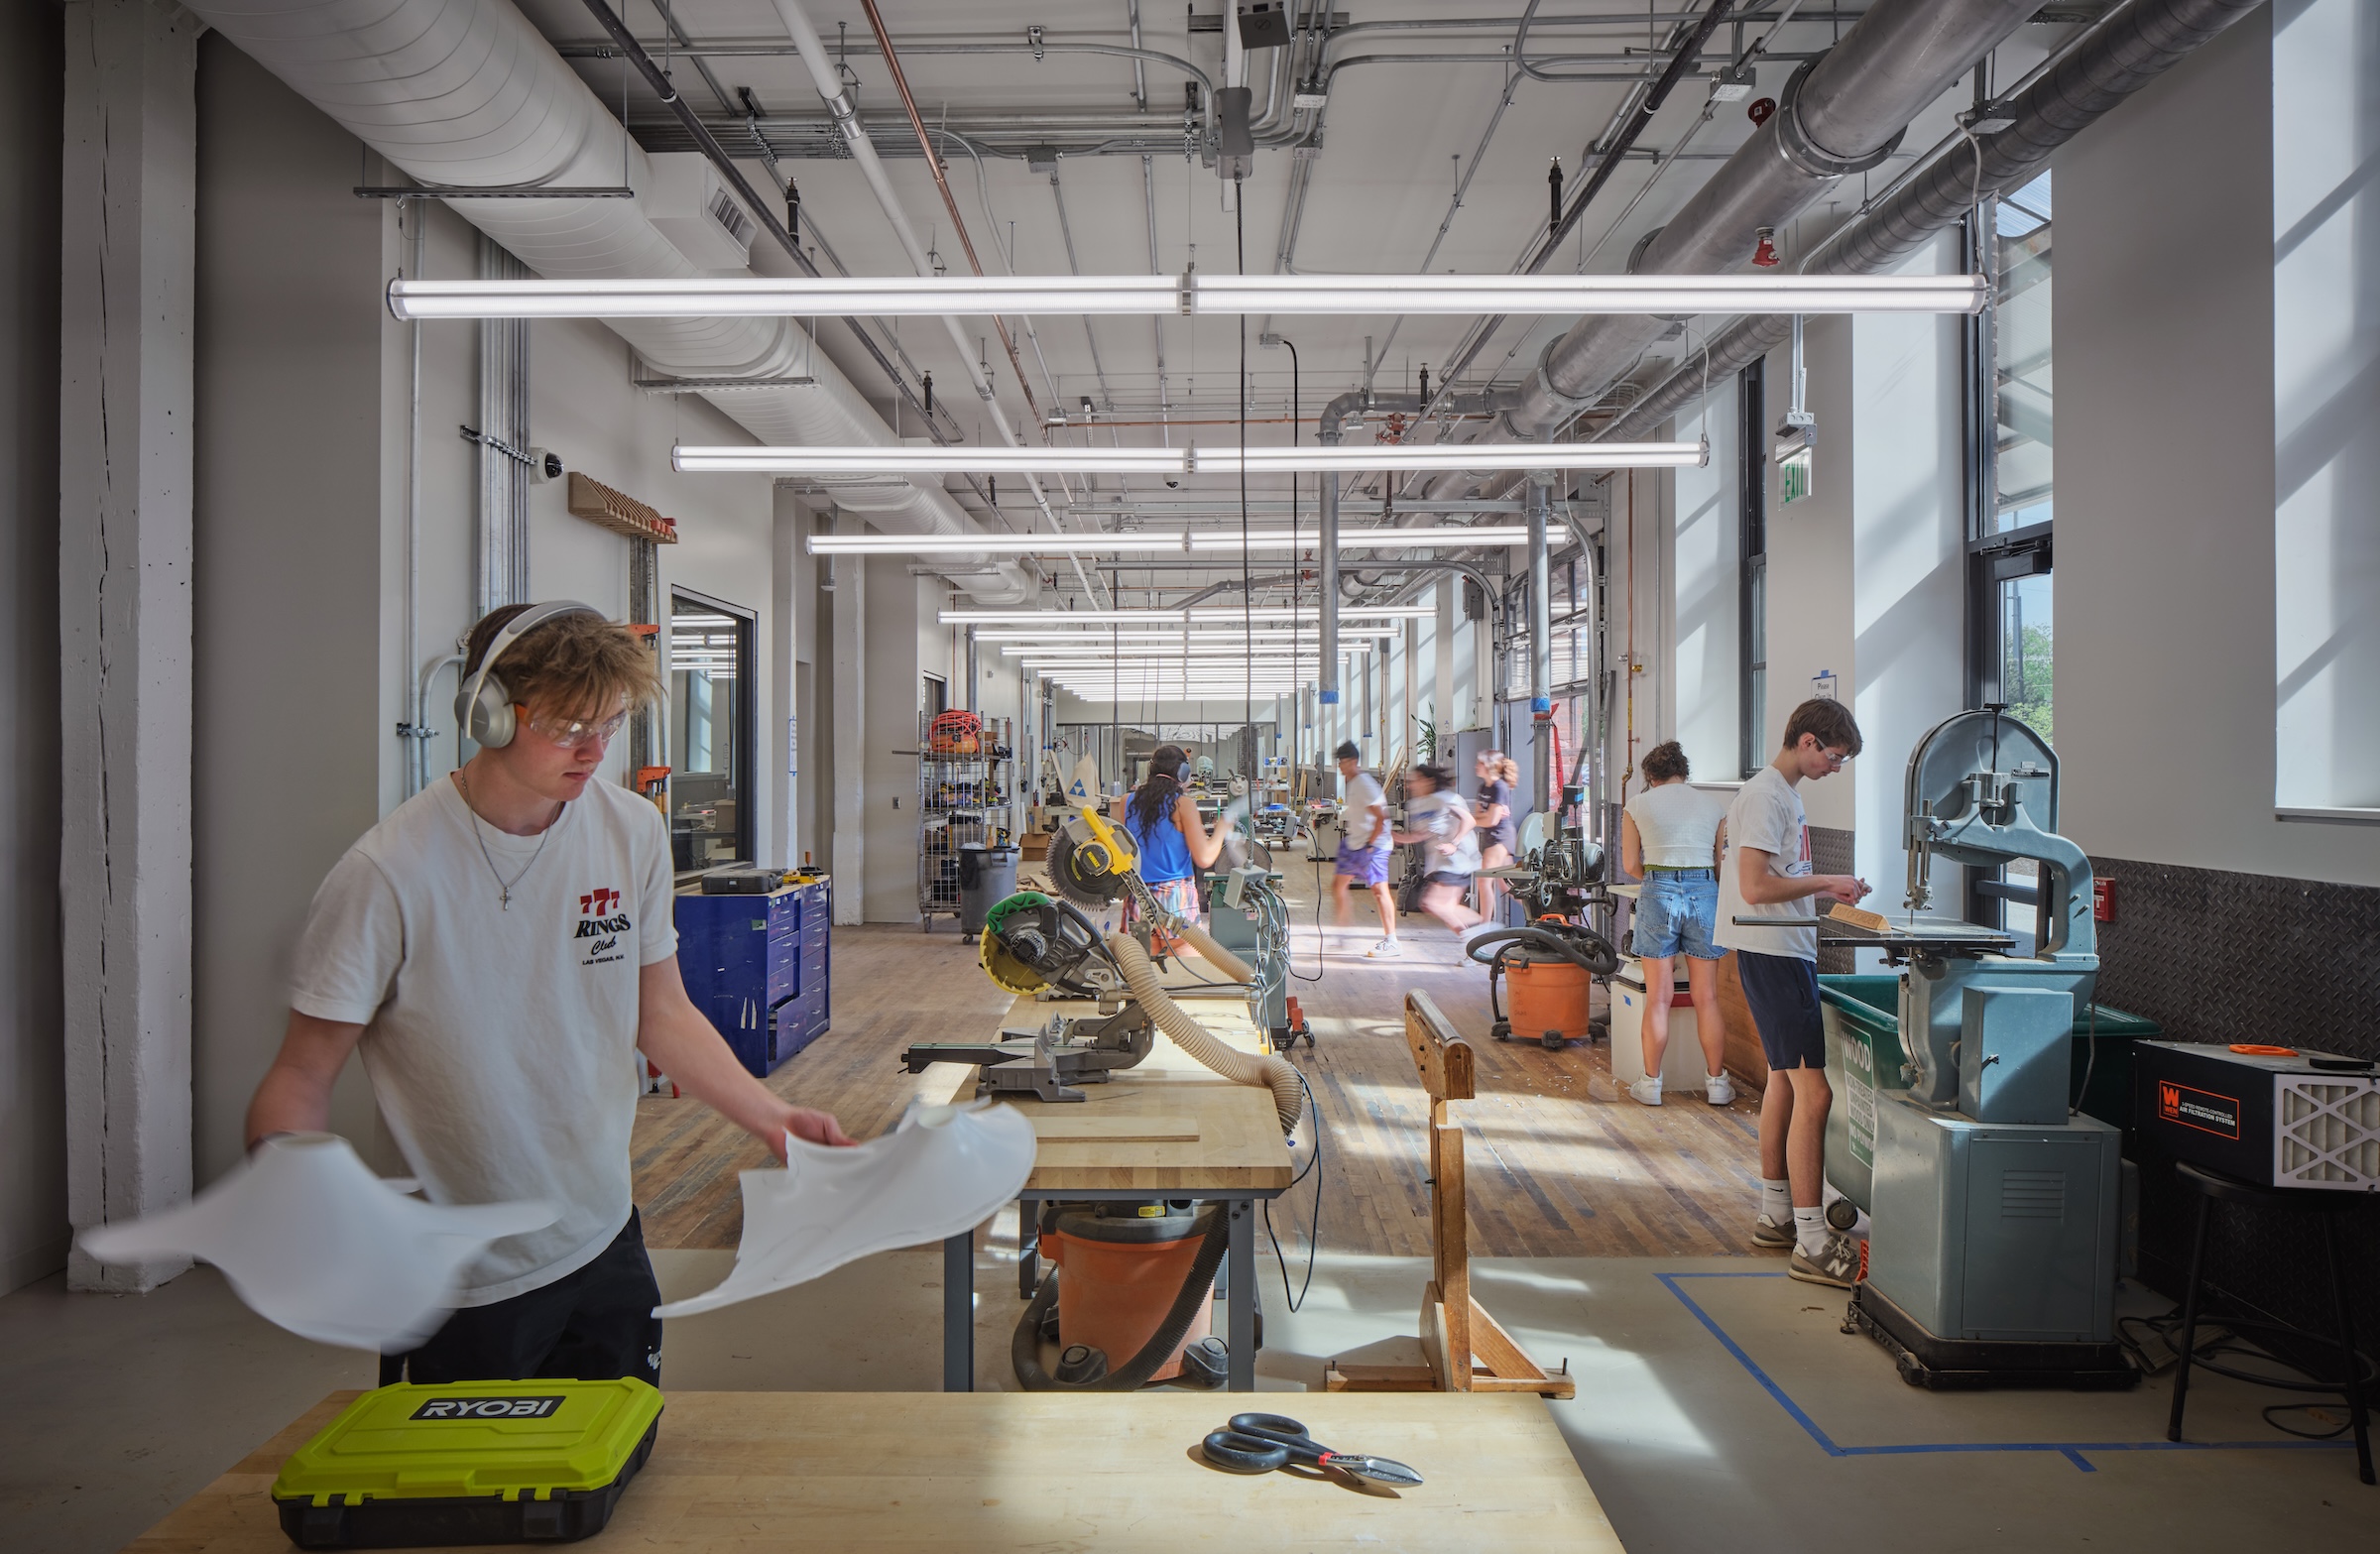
pixel 1174 843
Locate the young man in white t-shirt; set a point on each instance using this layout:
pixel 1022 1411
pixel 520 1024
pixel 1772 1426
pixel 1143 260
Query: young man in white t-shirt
pixel 499 949
pixel 1364 843
pixel 1765 873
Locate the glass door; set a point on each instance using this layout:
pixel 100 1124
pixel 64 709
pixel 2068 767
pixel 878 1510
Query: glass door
pixel 711 658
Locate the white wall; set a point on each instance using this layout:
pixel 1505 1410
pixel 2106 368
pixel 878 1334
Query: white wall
pixel 1705 543
pixel 1908 668
pixel 2167 478
pixel 1811 598
pixel 299 529
pixel 2327 407
pixel 33 1102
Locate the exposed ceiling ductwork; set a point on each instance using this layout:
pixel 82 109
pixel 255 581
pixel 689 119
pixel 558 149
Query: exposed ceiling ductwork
pixel 474 96
pixel 1843 113
pixel 2093 74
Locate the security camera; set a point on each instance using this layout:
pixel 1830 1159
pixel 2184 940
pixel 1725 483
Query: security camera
pixel 543 466
pixel 1172 485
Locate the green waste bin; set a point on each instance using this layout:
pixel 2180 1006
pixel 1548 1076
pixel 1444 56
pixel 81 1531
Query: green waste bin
pixel 1864 1058
pixel 1863 1020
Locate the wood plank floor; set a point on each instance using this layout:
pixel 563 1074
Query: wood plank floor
pixel 1561 1164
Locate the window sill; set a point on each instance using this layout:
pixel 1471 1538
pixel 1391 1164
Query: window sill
pixel 2325 816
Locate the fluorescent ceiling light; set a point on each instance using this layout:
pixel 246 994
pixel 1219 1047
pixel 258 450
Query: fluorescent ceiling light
pixel 1223 541
pixel 1229 612
pixel 1368 458
pixel 800 296
pixel 899 459
pixel 1365 458
pixel 1011 640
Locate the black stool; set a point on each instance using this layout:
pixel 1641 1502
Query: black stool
pixel 2211 1185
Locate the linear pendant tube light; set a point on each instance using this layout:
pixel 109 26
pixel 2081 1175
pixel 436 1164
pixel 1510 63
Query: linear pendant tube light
pixel 1157 542
pixel 1160 616
pixel 959 460
pixel 1306 459
pixel 802 296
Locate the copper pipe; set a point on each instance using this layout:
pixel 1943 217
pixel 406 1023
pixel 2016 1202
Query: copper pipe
pixel 933 163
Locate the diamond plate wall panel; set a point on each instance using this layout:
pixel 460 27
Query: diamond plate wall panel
pixel 2212 956
pixel 1831 852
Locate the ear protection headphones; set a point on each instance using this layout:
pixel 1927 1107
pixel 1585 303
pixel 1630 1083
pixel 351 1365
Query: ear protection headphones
pixel 484 705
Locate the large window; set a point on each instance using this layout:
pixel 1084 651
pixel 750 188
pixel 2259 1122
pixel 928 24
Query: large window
pixel 1751 575
pixel 711 733
pixel 2011 598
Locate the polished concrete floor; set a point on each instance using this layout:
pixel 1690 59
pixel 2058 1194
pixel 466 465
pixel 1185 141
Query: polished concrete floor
pixel 1718 1405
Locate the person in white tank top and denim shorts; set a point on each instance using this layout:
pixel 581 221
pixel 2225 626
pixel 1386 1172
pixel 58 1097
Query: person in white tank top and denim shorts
pixel 1669 837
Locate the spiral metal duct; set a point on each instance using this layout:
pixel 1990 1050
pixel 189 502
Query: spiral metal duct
pixel 466 92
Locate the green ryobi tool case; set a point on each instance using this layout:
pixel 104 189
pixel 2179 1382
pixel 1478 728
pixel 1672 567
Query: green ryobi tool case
pixel 468 1461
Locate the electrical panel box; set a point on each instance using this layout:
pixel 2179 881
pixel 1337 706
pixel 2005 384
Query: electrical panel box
pixel 2281 1119
pixel 696 212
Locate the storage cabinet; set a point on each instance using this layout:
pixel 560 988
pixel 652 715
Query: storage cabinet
pixel 757 966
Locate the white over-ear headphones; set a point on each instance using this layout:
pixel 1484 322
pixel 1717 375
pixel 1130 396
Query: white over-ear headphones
pixel 484 705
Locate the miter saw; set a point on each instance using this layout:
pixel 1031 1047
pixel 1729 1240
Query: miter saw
pixel 1050 948
pixel 1034 944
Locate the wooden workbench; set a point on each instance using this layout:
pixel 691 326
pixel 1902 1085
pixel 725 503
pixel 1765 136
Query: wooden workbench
pixel 737 1471
pixel 1166 1128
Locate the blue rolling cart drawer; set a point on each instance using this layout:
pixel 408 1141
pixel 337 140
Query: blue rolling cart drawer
pixel 756 968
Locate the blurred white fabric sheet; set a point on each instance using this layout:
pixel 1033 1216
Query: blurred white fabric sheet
pixel 944 1169
pixel 315 1242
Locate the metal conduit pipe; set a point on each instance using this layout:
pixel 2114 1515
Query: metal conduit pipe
pixel 475 96
pixel 1541 631
pixel 2093 73
pixel 829 86
pixel 1840 114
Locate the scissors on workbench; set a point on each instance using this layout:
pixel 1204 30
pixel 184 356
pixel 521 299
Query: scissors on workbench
pixel 1266 1441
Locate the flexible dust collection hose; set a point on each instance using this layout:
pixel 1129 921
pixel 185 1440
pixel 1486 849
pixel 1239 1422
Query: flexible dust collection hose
pixel 1241 1068
pixel 1215 955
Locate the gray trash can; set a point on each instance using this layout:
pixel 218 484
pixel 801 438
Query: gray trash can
pixel 987 877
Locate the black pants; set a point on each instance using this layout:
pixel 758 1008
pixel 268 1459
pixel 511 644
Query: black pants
pixel 593 1324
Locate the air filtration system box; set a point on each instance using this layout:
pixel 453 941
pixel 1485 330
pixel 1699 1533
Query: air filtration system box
pixel 468 1461
pixel 2285 1118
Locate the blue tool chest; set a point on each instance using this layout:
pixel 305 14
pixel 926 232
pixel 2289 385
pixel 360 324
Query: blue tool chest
pixel 757 966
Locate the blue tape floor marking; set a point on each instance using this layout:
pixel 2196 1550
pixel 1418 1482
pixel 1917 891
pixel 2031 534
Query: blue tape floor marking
pixel 2072 1451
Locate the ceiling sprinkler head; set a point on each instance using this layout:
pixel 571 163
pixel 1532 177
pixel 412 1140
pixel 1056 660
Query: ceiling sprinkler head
pixel 1765 253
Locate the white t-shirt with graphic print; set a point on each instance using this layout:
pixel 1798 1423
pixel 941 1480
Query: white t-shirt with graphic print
pixel 500 1042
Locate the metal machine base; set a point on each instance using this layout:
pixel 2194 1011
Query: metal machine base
pixel 1945 1364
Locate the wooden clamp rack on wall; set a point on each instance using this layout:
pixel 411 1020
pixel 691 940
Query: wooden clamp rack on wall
pixel 1469 1351
pixel 618 511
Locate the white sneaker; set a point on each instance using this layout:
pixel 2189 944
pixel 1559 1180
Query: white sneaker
pixel 1387 949
pixel 1718 1090
pixel 1646 1092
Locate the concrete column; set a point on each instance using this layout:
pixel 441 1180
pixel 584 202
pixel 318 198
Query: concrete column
pixel 1541 684
pixel 1410 638
pixel 848 852
pixel 781 730
pixel 126 309
pixel 1442 664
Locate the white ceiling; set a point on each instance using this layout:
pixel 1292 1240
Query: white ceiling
pixel 1395 139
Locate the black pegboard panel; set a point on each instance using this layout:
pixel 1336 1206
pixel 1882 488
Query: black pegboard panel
pixel 2214 956
pixel 1831 852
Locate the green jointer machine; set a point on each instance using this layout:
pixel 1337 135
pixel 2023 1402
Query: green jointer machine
pixel 468 1461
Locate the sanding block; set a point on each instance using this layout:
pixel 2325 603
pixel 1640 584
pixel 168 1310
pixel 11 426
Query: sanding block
pixel 468 1461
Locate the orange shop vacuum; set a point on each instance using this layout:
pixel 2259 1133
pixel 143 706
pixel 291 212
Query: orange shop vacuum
pixel 1548 968
pixel 1127 1298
